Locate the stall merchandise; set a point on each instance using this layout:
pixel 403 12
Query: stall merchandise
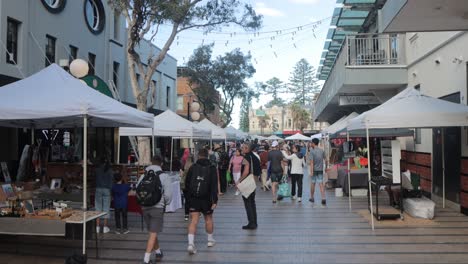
pixel 52 98
pixel 411 109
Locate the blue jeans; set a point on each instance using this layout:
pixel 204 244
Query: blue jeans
pixel 102 200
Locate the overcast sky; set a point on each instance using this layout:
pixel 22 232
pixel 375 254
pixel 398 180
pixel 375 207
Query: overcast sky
pixel 274 51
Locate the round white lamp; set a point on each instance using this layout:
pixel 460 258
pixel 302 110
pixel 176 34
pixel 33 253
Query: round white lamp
pixel 195 106
pixel 195 116
pixel 79 68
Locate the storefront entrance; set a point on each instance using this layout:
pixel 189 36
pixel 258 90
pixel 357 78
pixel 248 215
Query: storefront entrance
pixel 452 143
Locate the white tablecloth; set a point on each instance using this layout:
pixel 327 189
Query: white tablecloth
pixel 176 202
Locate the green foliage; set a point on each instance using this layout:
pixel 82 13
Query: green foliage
pixel 244 122
pixel 303 83
pixel 226 74
pixel 301 117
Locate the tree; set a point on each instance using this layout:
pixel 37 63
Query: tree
pixel 244 122
pixel 301 117
pixel 226 74
pixel 303 83
pixel 275 87
pixel 144 17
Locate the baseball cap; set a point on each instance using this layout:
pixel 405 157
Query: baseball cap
pixel 274 144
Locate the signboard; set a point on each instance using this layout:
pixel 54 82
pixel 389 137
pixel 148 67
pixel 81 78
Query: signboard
pixel 358 100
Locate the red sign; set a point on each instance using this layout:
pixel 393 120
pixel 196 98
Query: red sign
pixel 291 132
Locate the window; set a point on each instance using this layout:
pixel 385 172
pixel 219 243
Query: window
pixel 12 41
pixel 50 50
pixel 155 89
pixel 137 78
pixel 94 15
pixel 116 24
pixel 115 73
pixel 168 95
pixel 73 53
pixel 289 123
pixel 180 102
pixel 91 63
pixel 54 6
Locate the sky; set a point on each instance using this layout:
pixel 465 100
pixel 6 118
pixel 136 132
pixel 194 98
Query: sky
pixel 291 30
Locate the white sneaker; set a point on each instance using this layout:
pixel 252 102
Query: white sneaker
pixel 105 230
pixel 237 193
pixel 211 243
pixel 293 197
pixel 98 229
pixel 299 199
pixel 191 249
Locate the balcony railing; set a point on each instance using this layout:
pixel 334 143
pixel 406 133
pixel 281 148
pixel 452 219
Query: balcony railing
pixel 375 49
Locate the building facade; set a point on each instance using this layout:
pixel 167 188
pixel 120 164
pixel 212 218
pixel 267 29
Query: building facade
pixel 279 120
pixel 369 57
pixel 185 97
pixel 34 34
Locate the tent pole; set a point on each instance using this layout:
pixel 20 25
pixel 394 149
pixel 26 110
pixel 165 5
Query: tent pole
pixel 118 146
pixel 443 167
pixel 152 140
pixel 172 152
pixel 32 136
pixel 349 176
pixel 85 177
pixel 369 179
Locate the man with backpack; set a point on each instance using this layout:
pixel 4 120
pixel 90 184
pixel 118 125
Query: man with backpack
pixel 153 193
pixel 201 184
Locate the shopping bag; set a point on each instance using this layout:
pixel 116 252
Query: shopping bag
pixel 283 189
pixel 228 176
pixel 247 186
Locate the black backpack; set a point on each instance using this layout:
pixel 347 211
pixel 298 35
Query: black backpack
pixel 200 181
pixel 149 192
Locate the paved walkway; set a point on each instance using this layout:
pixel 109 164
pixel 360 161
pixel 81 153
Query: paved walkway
pixel 289 232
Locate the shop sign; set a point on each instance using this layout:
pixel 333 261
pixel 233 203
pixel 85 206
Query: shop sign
pixel 358 100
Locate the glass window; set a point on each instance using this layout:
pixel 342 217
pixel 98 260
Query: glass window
pixel 115 73
pixel 50 50
pixel 73 53
pixel 12 41
pixel 180 102
pixel 94 15
pixel 138 78
pixel 54 6
pixel 92 63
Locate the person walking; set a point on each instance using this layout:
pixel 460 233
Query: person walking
pixel 120 195
pixel 317 161
pixel 297 171
pixel 153 212
pixel 264 165
pixel 235 166
pixel 248 167
pixel 183 177
pixel 102 197
pixel 223 166
pixel 202 187
pixel 275 157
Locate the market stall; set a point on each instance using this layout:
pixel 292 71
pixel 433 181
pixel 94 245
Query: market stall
pixel 274 137
pixel 217 133
pixel 410 109
pixel 298 136
pixel 52 98
pixel 240 135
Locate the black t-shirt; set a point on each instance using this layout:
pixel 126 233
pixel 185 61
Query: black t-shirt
pixel 275 157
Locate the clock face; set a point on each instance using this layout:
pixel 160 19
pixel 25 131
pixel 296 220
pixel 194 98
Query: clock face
pixel 54 6
pixel 94 15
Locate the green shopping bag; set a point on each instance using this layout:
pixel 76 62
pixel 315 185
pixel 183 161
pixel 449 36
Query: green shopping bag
pixel 283 189
pixel 228 176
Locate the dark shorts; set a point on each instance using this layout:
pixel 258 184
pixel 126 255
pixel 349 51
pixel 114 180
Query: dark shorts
pixel 200 206
pixel 276 177
pixel 154 219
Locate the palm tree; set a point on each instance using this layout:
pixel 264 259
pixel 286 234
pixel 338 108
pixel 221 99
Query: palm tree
pixel 301 118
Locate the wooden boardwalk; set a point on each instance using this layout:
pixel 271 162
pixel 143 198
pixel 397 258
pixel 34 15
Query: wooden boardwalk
pixel 289 232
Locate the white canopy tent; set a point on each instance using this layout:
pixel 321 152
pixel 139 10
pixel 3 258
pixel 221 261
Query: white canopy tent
pixel 317 136
pixel 52 98
pixel 258 137
pixel 217 133
pixel 298 136
pixel 331 127
pixel 239 134
pixel 341 124
pixel 169 124
pixel 411 109
pixel 274 137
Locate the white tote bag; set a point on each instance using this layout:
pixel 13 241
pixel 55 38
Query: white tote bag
pixel 247 186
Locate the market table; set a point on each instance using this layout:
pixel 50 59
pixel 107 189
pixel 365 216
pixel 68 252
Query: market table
pixel 45 227
pixel 358 177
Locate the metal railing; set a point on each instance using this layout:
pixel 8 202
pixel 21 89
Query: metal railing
pixel 375 49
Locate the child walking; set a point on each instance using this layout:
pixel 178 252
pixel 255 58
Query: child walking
pixel 120 194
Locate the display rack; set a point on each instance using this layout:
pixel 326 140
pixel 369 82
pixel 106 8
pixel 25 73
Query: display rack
pixel 391 176
pixel 133 173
